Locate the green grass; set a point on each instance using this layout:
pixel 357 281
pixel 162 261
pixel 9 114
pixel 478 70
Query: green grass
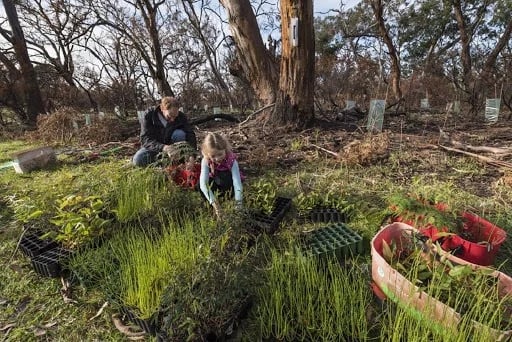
pixel 216 258
pixel 32 302
pixel 306 299
pixel 8 148
pixel 149 262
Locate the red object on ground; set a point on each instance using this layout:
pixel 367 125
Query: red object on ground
pixel 488 238
pixel 398 288
pixel 185 177
pixel 432 232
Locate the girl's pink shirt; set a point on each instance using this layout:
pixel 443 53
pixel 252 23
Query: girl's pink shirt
pixel 225 165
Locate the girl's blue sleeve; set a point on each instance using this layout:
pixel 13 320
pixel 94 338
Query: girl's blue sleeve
pixel 237 182
pixel 203 181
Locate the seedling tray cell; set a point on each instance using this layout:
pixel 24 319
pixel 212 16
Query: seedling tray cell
pixel 31 245
pixel 263 222
pixel 335 239
pixel 325 215
pixel 46 266
pixel 50 262
pixel 281 206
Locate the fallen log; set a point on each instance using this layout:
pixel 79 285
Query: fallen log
pixel 445 138
pixel 490 161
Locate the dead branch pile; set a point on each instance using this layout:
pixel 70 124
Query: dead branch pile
pixel 102 131
pixel 56 127
pixel 366 151
pixel 67 125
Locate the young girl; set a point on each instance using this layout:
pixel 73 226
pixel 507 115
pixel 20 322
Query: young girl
pixel 219 171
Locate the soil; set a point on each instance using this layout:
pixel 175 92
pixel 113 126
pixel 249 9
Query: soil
pixel 346 141
pixel 343 139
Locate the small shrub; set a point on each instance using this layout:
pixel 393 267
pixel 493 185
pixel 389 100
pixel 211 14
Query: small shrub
pixel 80 219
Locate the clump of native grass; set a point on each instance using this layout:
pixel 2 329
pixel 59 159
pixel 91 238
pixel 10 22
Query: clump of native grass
pixel 307 299
pixel 142 191
pixel 148 262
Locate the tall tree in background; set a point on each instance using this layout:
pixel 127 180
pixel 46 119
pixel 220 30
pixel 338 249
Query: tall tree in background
pixel 292 88
pixel 29 84
pixel 470 19
pixel 294 103
pixel 256 63
pixel 396 73
pixel 198 21
pixel 144 24
pixel 54 29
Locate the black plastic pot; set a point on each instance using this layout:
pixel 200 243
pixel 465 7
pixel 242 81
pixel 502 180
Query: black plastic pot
pixel 31 245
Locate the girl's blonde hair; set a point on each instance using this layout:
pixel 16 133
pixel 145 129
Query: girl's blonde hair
pixel 214 142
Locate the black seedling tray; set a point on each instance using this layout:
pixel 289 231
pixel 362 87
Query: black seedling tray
pixel 148 325
pixel 324 215
pixel 281 206
pixel 50 262
pixel 263 223
pixel 31 245
pixel 46 266
pixel 269 223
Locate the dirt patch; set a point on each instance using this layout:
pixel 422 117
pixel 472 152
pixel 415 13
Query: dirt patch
pixel 417 136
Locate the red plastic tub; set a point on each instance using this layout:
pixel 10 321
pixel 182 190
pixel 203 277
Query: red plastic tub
pixel 398 288
pixel 478 242
pixel 489 238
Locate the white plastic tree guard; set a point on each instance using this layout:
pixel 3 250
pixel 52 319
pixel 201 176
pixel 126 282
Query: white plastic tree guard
pixel 33 159
pixel 376 115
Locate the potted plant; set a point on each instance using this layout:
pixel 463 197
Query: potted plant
pixel 79 220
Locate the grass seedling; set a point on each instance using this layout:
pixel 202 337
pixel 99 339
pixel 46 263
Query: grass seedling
pixel 138 194
pixel 307 299
pixel 148 264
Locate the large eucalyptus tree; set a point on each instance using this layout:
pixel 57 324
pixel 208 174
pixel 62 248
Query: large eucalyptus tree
pixel 145 24
pixel 55 31
pixel 291 85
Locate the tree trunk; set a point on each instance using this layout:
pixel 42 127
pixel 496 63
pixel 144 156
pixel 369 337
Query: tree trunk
pixel 195 21
pixel 465 40
pixel 33 101
pixel 294 104
pixel 149 14
pixel 466 29
pixel 258 65
pixel 378 10
pixel 487 79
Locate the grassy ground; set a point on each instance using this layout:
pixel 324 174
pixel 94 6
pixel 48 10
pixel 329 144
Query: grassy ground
pixel 31 303
pixel 32 308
